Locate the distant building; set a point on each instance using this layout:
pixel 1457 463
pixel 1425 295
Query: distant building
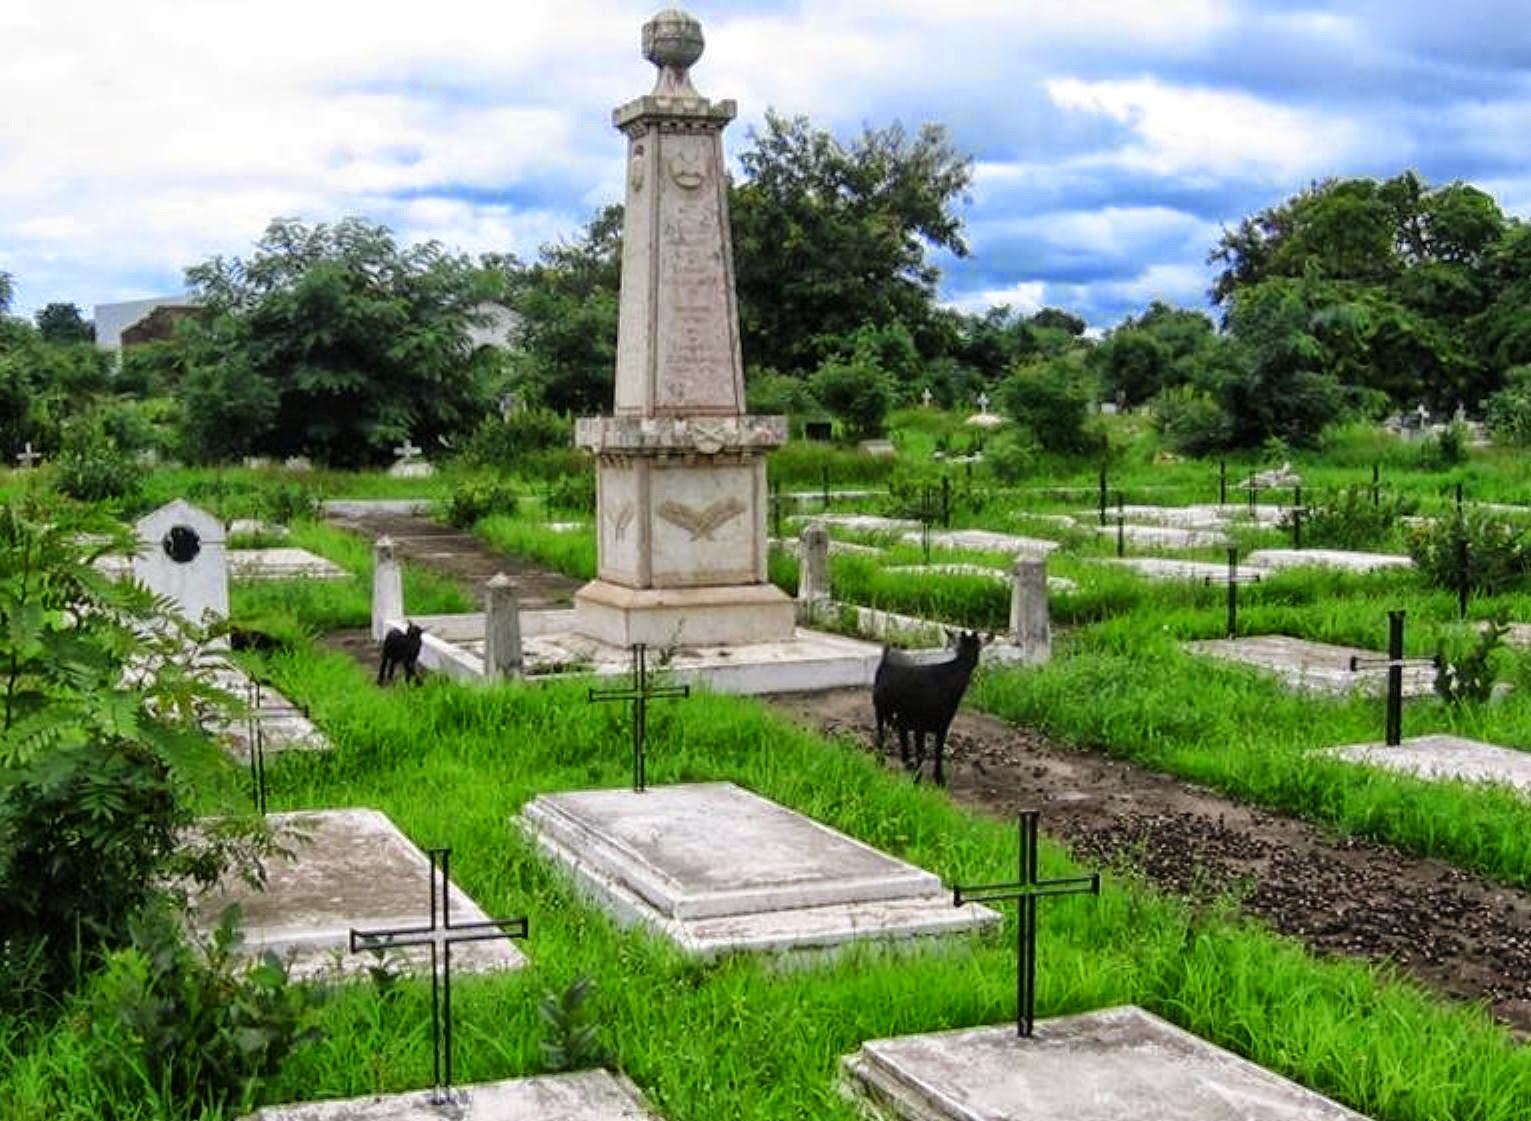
pixel 138 321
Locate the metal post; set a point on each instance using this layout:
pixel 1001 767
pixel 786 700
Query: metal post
pixel 776 509
pixel 1233 593
pixel 946 502
pixel 824 482
pixel 1376 485
pixel 1121 527
pixel 1297 517
pixel 1102 496
pixel 1251 496
pixel 1395 678
pixel 1464 576
pixel 1222 482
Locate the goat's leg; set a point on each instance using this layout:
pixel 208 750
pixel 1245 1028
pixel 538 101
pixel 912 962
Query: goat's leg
pixel 384 670
pixel 903 743
pixel 940 737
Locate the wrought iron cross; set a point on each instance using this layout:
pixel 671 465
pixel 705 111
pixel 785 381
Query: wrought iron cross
pixel 1394 663
pixel 640 693
pixel 28 459
pixel 256 731
pixel 440 936
pixel 1297 511
pixel 1233 580
pixel 1026 891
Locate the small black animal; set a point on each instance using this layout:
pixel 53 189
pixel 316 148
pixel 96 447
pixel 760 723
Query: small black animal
pixel 242 639
pixel 917 699
pixel 400 648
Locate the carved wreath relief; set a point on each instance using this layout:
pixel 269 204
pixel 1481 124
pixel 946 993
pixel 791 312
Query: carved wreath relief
pixel 702 523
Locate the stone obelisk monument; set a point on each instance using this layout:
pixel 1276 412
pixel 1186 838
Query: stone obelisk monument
pixel 681 480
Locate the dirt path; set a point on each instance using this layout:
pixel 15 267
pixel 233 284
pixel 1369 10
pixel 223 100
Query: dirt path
pixel 1452 930
pixel 465 558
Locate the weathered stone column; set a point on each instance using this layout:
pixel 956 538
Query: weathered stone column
pixel 387 587
pixel 812 571
pixel 680 469
pixel 502 628
pixel 1030 628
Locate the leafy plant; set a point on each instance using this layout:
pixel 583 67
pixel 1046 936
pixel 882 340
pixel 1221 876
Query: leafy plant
pixel 1470 677
pixel 195 1021
pixel 571 1042
pixel 92 465
pixel 1349 519
pixel 101 692
pixel 1486 552
pixel 473 499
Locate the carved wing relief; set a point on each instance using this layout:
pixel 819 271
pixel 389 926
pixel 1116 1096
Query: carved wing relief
pixel 702 523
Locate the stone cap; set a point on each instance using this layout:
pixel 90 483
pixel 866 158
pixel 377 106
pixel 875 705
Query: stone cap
pixel 673 41
pixel 698 435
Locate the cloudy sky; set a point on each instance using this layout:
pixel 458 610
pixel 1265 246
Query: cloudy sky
pixel 1113 139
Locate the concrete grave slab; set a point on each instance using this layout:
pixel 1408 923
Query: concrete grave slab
pixel 344 508
pixel 1166 568
pixel 1317 667
pixel 1164 536
pixel 1276 559
pixel 282 564
pixel 1102 1066
pixel 589 1095
pixel 1205 517
pixel 983 540
pixel 283 725
pixel 717 868
pixel 858 523
pixel 836 548
pixel 348 868
pixel 1446 757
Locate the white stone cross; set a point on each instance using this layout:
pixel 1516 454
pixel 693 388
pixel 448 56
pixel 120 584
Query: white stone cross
pixel 927 397
pixel 983 402
pixel 406 452
pixel 29 457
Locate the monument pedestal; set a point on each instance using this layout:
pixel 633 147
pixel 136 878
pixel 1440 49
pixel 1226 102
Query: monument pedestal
pixel 666 617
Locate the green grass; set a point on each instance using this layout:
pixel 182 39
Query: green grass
pixel 742 1038
pixel 325 606
pixel 572 554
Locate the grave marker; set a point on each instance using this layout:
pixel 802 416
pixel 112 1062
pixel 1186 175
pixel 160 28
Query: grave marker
pixel 181 555
pixel 444 935
pixel 640 693
pixel 28 458
pixel 1395 662
pixel 1026 891
pixel 1233 579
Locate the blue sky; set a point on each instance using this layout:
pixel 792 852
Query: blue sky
pixel 1113 140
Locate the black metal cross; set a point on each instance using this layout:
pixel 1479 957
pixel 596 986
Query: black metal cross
pixel 640 693
pixel 1233 580
pixel 1297 510
pixel 1026 891
pixel 443 934
pixel 256 731
pixel 1394 663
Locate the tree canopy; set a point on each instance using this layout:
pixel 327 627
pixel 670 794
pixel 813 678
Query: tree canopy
pixel 335 342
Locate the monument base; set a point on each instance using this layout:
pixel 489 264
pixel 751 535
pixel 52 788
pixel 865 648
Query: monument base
pixel 736 614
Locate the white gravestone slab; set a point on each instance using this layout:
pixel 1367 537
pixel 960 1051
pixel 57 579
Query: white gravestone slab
pixel 1164 536
pixel 717 868
pixel 1328 558
pixel 282 564
pixel 1165 568
pixel 590 1095
pixel 1317 667
pixel 1446 757
pixel 858 523
pixel 181 555
pixel 1054 583
pixel 352 868
pixel 985 541
pixel 1111 1065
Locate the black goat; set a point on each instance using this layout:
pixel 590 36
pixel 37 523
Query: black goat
pixel 919 699
pixel 400 648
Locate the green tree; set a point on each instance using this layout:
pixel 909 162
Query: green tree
pixel 831 236
pixel 100 746
pixel 567 304
pixel 63 323
pixel 857 392
pixel 7 291
pixel 360 342
pixel 1051 398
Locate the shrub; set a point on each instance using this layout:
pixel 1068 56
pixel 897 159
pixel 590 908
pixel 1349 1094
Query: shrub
pixel 505 441
pixel 772 394
pixel 195 1022
pixel 1347 519
pixel 857 393
pixel 1012 456
pixel 1509 411
pixel 573 494
pixel 473 499
pixel 1496 555
pixel 1052 401
pixel 1468 677
pixel 91 465
pixel 1191 422
pixel 1448 448
pixel 571 1042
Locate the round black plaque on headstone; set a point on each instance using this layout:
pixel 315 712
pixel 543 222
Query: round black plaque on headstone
pixel 182 544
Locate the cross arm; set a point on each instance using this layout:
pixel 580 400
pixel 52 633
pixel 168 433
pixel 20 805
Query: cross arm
pixel 998 893
pixel 1359 663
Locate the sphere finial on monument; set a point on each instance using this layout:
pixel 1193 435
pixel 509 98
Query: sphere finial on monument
pixel 673 41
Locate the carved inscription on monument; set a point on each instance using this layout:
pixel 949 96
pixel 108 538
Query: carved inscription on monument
pixel 696 345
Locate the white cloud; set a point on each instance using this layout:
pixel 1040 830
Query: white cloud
pixel 1187 131
pixel 1026 298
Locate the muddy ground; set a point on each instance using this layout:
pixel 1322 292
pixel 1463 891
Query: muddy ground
pixel 1451 930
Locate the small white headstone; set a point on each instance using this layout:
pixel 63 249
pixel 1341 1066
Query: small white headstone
pixel 28 458
pixel 927 397
pixel 181 555
pixel 409 464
